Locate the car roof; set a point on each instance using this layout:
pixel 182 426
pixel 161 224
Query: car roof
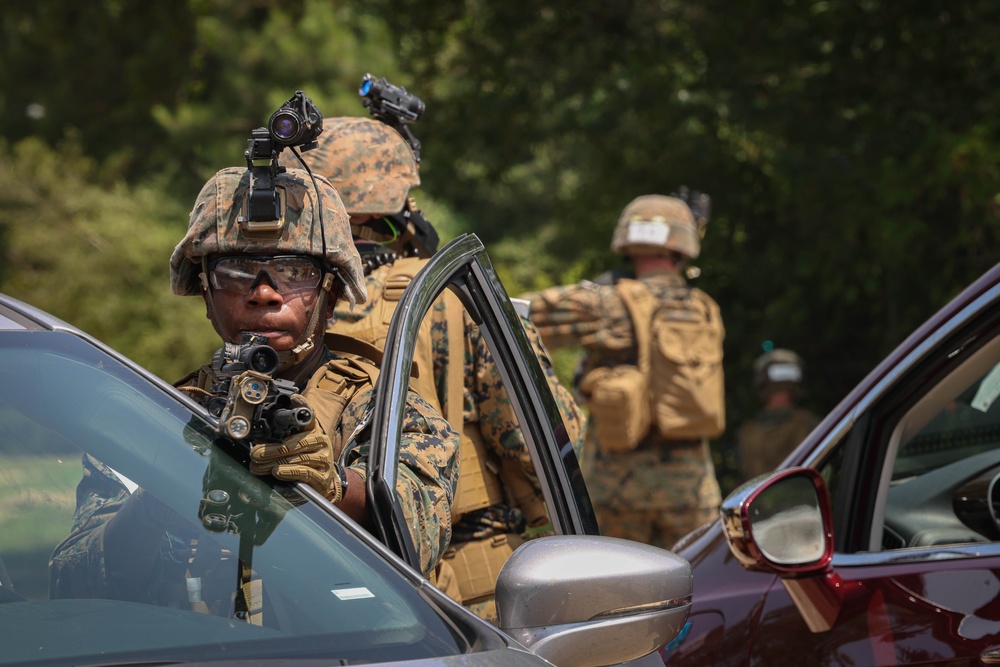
pixel 16 315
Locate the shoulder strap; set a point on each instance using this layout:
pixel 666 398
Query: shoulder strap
pixel 456 364
pixel 640 304
pixel 359 348
pixel 400 274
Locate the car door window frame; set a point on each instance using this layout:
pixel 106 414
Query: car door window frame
pixel 463 266
pixel 867 461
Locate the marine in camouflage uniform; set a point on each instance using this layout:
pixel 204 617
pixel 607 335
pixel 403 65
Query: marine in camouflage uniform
pixel 781 425
pixel 499 495
pixel 336 385
pixel 662 489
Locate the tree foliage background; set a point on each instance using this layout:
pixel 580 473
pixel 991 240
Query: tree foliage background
pixel 850 149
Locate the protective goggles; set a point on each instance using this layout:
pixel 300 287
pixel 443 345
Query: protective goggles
pixel 288 274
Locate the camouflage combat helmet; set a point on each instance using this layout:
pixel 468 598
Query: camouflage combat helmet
pixel 213 229
pixel 778 369
pixel 651 224
pixel 370 164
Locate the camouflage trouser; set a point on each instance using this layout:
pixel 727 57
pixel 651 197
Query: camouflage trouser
pixel 655 494
pixel 660 528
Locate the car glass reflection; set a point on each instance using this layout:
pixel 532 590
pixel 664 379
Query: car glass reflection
pixel 69 411
pixel 786 522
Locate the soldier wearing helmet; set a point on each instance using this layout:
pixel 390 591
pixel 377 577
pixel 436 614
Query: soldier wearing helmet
pixel 498 495
pixel 780 425
pixel 653 484
pixel 283 282
pixel 279 279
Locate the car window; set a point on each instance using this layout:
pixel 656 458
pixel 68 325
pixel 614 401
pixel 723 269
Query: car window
pixel 75 422
pixel 944 454
pixel 965 426
pixel 464 265
pixel 917 466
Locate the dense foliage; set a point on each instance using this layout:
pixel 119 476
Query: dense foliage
pixel 849 148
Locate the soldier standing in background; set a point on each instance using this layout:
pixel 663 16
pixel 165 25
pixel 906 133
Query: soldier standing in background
pixel 765 441
pixel 651 377
pixel 498 495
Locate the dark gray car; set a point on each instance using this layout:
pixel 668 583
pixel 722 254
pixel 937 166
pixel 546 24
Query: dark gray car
pixel 328 591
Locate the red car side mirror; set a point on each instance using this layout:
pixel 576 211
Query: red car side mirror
pixel 782 523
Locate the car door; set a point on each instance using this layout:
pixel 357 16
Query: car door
pixel 913 474
pixel 464 266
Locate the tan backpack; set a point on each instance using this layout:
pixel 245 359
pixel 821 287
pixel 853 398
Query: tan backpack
pixel 678 386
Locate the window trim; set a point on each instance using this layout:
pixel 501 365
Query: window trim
pixel 854 429
pixel 464 266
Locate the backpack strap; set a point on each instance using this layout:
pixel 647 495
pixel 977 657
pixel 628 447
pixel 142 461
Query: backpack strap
pixel 456 369
pixel 640 304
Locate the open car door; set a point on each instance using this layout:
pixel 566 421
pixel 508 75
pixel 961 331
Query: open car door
pixel 464 267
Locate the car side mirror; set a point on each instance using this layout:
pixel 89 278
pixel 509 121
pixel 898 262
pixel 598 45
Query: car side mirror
pixel 588 601
pixel 782 523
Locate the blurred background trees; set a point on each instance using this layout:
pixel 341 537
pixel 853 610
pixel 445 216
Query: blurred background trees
pixel 850 149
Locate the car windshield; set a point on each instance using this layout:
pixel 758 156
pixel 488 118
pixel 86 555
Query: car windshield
pixel 127 534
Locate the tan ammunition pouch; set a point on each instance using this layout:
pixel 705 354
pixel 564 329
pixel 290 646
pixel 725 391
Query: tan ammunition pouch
pixel 443 576
pixel 618 402
pixel 522 494
pixel 477 564
pixel 478 483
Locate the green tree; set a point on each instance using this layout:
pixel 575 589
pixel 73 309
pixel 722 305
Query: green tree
pixel 94 253
pixel 98 68
pixel 849 148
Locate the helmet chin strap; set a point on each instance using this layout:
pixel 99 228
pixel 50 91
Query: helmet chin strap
pixel 290 358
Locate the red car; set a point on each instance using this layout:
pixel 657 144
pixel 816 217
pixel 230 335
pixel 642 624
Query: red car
pixel 877 542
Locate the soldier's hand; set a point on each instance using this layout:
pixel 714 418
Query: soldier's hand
pixel 302 457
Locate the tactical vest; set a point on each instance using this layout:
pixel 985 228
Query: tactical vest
pixel 478 482
pixel 328 391
pixel 483 481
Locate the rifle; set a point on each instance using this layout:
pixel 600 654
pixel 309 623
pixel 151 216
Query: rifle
pixel 248 401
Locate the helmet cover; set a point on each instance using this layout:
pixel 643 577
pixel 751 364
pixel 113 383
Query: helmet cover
pixel 370 164
pixel 213 229
pixel 651 224
pixel 777 368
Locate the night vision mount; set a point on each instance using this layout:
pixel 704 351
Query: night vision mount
pixel 296 123
pixel 397 108
pixel 393 106
pixel 700 205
